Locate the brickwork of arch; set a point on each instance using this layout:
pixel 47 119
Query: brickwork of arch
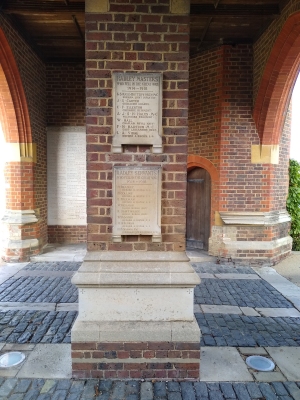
pixel 14 107
pixel 277 83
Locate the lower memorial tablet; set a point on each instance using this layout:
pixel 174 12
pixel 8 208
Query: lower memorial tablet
pixel 137 202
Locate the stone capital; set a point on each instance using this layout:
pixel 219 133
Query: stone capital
pixel 96 6
pixel 180 6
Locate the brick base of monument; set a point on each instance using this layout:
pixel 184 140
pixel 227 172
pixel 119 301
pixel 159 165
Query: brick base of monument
pixel 136 360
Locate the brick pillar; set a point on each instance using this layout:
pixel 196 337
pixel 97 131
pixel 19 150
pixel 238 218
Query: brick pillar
pixel 20 221
pixel 151 339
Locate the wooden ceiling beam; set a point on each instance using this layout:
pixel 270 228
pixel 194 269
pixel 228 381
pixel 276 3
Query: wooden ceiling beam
pixel 235 10
pixel 54 8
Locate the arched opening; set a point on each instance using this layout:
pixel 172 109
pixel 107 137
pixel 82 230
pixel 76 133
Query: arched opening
pixel 280 74
pixel 19 226
pixel 2 184
pixel 202 201
pixel 198 209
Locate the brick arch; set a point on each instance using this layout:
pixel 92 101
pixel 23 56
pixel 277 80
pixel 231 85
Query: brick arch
pixel 277 82
pixel 201 162
pixel 14 110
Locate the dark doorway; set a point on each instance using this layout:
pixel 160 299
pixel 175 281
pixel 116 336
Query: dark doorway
pixel 198 209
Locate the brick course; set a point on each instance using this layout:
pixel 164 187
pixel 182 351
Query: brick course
pixel 136 360
pixel 65 94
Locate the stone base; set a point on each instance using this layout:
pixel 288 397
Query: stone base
pixel 21 235
pixel 258 238
pixel 136 317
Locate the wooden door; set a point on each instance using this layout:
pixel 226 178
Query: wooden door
pixel 198 208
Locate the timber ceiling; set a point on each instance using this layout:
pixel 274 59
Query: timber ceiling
pixel 55 28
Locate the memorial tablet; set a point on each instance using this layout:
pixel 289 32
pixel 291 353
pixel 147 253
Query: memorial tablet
pixel 137 202
pixel 137 110
pixel 66 175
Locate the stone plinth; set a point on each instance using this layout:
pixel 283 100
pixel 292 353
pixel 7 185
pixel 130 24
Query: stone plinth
pixel 136 317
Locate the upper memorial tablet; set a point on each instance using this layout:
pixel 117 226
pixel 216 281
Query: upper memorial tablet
pixel 137 110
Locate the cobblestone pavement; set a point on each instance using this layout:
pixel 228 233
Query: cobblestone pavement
pixel 38 289
pixel 239 292
pixel 53 266
pixel 40 389
pixel 213 268
pixel 238 330
pixel 36 326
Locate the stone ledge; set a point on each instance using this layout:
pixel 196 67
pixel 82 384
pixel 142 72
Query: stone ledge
pixel 101 332
pixel 258 245
pixel 19 217
pixel 122 256
pixel 255 218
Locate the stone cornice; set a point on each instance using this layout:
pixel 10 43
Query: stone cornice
pixel 255 218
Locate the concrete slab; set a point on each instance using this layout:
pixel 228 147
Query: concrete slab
pixel 285 287
pixel 220 309
pixel 252 351
pixel 223 364
pixel 287 360
pixel 51 361
pixel 278 312
pixel 290 267
pixel 18 347
pixel 197 308
pixel 6 306
pixel 50 274
pixel 206 275
pixel 272 376
pixel 8 270
pixel 237 276
pixel 249 312
pixel 66 307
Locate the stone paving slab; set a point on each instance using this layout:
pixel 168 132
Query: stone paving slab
pixel 45 273
pixel 12 305
pixel 239 330
pixel 220 309
pixel 288 359
pixel 278 312
pixel 53 266
pixel 36 326
pixel 38 289
pixel 39 306
pixel 65 389
pixel 242 293
pixel 50 360
pixel 223 365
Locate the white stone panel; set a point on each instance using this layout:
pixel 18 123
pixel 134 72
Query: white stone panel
pixel 66 175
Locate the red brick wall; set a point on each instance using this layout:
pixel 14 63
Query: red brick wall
pixel 65 94
pixel 67 234
pixel 136 37
pixel 221 125
pixel 205 91
pixel 32 72
pixel 66 107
